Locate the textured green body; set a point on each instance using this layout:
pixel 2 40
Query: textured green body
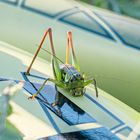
pixel 73 80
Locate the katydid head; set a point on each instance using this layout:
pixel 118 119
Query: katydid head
pixel 78 91
pixel 74 81
pixel 77 83
pixel 80 85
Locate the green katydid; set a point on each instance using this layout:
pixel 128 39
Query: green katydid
pixel 66 76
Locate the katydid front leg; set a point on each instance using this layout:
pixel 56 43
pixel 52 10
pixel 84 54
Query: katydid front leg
pixel 57 83
pixel 92 81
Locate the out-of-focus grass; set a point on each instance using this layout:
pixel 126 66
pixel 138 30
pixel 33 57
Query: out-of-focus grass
pixel 132 8
pixel 9 110
pixel 127 7
pixel 10 133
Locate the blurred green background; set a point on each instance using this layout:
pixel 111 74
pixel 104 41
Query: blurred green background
pixel 126 7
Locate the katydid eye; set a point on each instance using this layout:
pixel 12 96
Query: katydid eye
pixel 72 80
pixel 78 75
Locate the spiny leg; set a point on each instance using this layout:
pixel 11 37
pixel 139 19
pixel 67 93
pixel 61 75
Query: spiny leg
pixel 56 97
pixel 57 83
pixel 95 85
pixel 70 46
pixel 58 103
pixel 39 47
pixel 55 65
pixel 92 81
pixel 59 98
pixel 34 95
pixel 57 71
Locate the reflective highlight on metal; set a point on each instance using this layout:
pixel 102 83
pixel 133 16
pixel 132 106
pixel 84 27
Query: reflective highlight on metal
pixel 124 131
pixel 90 134
pixel 12 2
pixel 103 32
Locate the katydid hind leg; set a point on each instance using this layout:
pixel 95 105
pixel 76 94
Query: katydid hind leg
pixel 70 46
pixel 56 67
pixel 38 50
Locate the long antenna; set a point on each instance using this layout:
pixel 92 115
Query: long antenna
pixel 59 60
pixel 53 55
